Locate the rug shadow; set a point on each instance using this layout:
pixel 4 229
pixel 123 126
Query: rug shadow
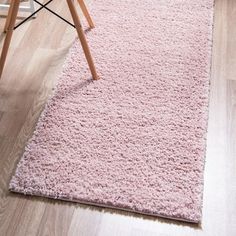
pixel 74 88
pixel 87 30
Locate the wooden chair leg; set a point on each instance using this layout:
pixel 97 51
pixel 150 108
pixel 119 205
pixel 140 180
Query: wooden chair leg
pixel 86 13
pixel 15 7
pixel 8 16
pixel 82 38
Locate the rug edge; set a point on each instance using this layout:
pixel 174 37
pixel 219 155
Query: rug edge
pixel 106 206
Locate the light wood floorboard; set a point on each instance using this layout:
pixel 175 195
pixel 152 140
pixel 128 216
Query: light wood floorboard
pixel 36 56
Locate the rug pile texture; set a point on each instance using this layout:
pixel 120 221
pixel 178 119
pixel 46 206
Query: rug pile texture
pixel 136 138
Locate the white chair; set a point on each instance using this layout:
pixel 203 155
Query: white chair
pixel 10 26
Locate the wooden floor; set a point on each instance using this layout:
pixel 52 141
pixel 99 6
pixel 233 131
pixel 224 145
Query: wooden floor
pixel 38 50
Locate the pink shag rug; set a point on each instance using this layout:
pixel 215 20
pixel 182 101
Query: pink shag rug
pixel 135 139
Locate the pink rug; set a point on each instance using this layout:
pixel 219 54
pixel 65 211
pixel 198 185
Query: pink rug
pixel 135 139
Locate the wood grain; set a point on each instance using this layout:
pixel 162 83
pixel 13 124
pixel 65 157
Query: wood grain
pixel 37 53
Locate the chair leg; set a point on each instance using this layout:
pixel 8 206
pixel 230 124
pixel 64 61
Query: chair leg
pixel 86 13
pixel 32 10
pixel 82 39
pixel 8 16
pixel 15 7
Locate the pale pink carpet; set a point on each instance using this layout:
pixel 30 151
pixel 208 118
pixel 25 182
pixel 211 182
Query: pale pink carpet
pixel 135 139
